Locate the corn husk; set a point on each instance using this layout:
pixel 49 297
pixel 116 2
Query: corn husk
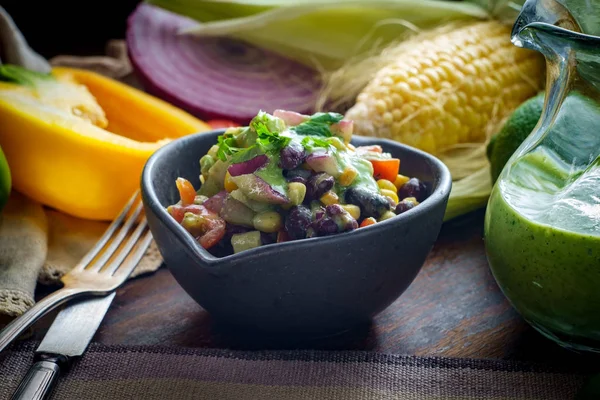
pixel 321 33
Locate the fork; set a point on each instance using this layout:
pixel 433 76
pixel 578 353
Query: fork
pixel 99 272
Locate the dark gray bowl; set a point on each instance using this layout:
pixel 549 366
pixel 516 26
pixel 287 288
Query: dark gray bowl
pixel 310 287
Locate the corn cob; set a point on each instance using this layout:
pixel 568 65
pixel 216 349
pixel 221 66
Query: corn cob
pixel 449 89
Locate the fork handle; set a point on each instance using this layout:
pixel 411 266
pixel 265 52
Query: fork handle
pixel 48 303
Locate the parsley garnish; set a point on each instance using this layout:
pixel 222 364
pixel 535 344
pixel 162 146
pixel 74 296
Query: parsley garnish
pixel 318 124
pixel 312 142
pixel 268 140
pixel 227 146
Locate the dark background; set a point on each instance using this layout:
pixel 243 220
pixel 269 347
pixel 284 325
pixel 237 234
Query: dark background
pixel 54 27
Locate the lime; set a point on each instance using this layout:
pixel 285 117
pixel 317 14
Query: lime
pixel 515 130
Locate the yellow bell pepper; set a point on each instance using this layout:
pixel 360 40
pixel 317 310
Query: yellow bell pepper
pixel 77 141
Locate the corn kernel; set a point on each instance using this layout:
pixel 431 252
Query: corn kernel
pixel 353 210
pixel 386 215
pixel 230 185
pixel 411 199
pixel 392 195
pixel 380 106
pixel 329 198
pixel 385 184
pixel 400 181
pixel 267 221
pixel 348 176
pixel 296 192
pixel 202 179
pixel 388 118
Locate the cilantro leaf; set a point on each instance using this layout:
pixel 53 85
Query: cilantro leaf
pixel 318 124
pixel 267 129
pixel 327 118
pixel 246 154
pixel 227 146
pixel 312 142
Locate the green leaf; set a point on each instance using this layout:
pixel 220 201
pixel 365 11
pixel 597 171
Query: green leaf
pixel 311 142
pixel 267 129
pixel 246 154
pixel 318 124
pixel 227 146
pixel 22 76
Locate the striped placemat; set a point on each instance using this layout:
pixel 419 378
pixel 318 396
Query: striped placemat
pixel 129 372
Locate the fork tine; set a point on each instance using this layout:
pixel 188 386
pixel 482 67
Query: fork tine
pixel 107 234
pixel 116 242
pixel 112 267
pixel 126 269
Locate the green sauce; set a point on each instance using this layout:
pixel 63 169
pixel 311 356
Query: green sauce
pixel 542 233
pixel 273 175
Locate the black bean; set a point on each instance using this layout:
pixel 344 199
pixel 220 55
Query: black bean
pixel 268 238
pixel 404 206
pixel 318 185
pixel 413 188
pixel 297 222
pixel 292 155
pixel 371 204
pixel 231 229
pixel 325 226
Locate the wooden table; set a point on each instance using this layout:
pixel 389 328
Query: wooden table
pixel 453 308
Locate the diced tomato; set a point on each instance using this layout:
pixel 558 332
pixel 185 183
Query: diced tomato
pixel 386 169
pixel 368 221
pixel 186 191
pixel 214 234
pixel 221 123
pixel 282 236
pixel 177 211
pixel 213 226
pixel 375 148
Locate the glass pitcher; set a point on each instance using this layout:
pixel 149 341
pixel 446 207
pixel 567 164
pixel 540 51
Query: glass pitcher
pixel 542 224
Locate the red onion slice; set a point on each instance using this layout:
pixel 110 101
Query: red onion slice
pixel 323 162
pixel 290 118
pixel 344 128
pixel 214 78
pixel 248 167
pixel 215 202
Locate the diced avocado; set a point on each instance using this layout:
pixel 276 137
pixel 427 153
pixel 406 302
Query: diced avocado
pixel 236 213
pixel 214 182
pixel 252 204
pixel 245 241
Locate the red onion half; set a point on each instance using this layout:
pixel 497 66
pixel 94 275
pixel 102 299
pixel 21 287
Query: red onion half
pixel 214 77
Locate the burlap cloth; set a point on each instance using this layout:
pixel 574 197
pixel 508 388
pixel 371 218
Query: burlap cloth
pixel 38 244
